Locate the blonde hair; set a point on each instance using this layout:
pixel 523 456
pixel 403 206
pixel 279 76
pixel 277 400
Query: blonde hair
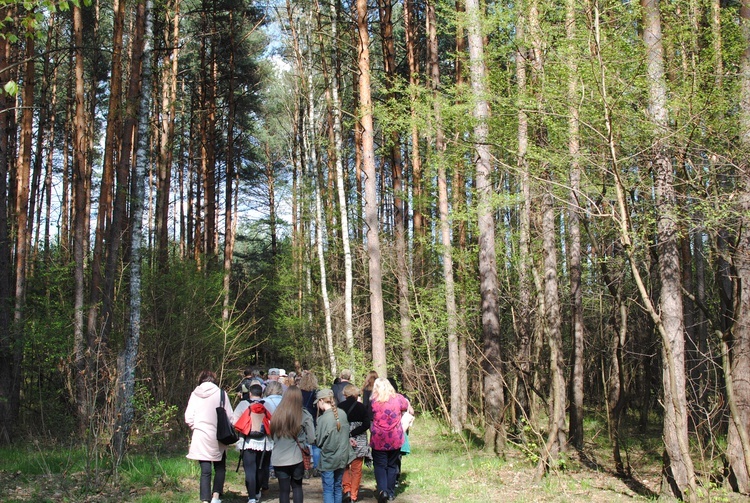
pixel 308 382
pixel 383 390
pixel 350 390
pixel 332 402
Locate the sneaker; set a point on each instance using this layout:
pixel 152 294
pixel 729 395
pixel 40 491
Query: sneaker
pixel 251 500
pixel 215 500
pixel 347 497
pixel 257 496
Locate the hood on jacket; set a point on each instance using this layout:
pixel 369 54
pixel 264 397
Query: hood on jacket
pixel 206 389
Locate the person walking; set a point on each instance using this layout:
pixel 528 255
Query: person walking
pixel 367 388
pixel 359 423
pixel 292 427
pixel 309 385
pixel 200 416
pixel 332 437
pixel 387 436
pixel 255 452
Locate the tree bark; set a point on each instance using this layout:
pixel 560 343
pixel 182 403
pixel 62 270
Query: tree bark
pixel 340 186
pixel 128 358
pixel 576 296
pixel 557 434
pixel 738 338
pixel 399 213
pixel 678 478
pixel 81 177
pixel 10 371
pixel 445 224
pixel 523 327
pixel 492 358
pixel 410 32
pixel 371 199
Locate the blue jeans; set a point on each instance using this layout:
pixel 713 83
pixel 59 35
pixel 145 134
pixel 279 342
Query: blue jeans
pixel 332 485
pixel 315 453
pixel 386 468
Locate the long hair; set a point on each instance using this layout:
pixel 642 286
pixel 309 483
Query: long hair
pixel 370 380
pixel 308 382
pixel 286 420
pixel 383 390
pixel 206 376
pixel 332 402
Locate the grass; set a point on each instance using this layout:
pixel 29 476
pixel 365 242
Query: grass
pixel 443 467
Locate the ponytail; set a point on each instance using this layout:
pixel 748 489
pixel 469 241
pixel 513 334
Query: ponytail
pixel 335 409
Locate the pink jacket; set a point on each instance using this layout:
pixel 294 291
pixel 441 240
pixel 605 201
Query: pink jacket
pixel 200 415
pixel 386 433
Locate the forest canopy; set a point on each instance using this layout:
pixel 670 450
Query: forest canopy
pixel 528 213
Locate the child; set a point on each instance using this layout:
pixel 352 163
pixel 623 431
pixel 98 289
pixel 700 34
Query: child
pixel 332 437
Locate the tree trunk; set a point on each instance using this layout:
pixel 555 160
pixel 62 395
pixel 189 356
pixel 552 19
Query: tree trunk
pixel 494 410
pixel 371 198
pixel 445 225
pixel 576 296
pixel 340 186
pixel 9 368
pixel 678 477
pixel 410 28
pixel 523 327
pixel 21 211
pixel 738 366
pixel 166 133
pixel 81 175
pixel 128 358
pixel 557 435
pixel 229 222
pixel 418 218
pixel 97 324
pixel 399 215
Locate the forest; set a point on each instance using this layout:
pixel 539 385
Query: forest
pixel 529 213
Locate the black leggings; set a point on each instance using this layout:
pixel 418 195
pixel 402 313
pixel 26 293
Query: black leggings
pixel 220 468
pixel 290 477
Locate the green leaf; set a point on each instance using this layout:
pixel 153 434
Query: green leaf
pixel 11 87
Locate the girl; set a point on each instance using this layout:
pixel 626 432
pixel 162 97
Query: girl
pixel 332 437
pixel 291 427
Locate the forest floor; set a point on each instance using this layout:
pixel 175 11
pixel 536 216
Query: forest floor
pixel 442 467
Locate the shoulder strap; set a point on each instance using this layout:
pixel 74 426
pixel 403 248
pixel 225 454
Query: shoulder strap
pixel 221 400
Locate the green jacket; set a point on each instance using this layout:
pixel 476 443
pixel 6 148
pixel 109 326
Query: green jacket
pixel 335 450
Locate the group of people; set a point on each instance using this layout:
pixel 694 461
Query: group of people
pixel 313 431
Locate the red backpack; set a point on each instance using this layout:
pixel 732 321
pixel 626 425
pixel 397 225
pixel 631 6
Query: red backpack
pixel 255 421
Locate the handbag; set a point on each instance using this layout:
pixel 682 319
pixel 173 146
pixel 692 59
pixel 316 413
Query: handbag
pixel 407 419
pixel 306 457
pixel 225 432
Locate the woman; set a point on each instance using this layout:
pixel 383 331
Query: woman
pixel 359 423
pixel 292 427
pixel 200 415
pixel 367 388
pixel 387 436
pixel 255 452
pixel 309 385
pixel 272 395
pixel 332 437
